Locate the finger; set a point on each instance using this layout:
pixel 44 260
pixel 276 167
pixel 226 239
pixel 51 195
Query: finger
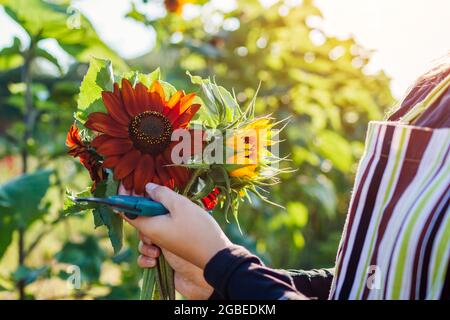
pixel 146 262
pixel 146 240
pixel 149 251
pixel 167 197
pixel 152 227
pixel 123 191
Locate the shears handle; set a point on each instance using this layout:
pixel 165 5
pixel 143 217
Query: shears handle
pixel 139 206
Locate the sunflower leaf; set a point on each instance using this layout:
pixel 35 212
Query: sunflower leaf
pixel 148 78
pixel 98 78
pixel 21 203
pixel 104 215
pixel 74 208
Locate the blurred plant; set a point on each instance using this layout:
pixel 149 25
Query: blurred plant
pixel 37 103
pixel 319 81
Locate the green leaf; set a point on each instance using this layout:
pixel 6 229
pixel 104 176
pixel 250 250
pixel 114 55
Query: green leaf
pixel 145 78
pixel 75 208
pixel 335 148
pixel 49 57
pixel 321 191
pixel 11 57
pixel 28 275
pixel 87 255
pixel 57 20
pixel 98 78
pixel 7 227
pixel 148 78
pixel 169 89
pixel 205 186
pixel 104 215
pixel 298 214
pixel 23 196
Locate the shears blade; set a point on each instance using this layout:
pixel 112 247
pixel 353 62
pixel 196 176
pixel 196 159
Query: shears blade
pixel 105 201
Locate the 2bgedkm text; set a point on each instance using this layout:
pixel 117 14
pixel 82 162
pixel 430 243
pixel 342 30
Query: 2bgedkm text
pixel 232 309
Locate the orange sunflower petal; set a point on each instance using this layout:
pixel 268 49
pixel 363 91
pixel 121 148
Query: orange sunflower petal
pixel 156 87
pixel 186 102
pixel 73 137
pixel 181 107
pixel 183 120
pixel 115 108
pixel 102 122
pixel 114 146
pixel 175 98
pixel 145 170
pixel 129 99
pixel 127 164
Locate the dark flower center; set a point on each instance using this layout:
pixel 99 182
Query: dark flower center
pixel 150 132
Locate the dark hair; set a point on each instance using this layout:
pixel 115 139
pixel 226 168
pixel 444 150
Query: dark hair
pixel 421 87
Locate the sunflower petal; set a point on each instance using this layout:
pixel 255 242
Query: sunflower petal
pixel 129 99
pixel 186 102
pixel 99 140
pixel 156 87
pixel 156 103
pixel 180 174
pixel 145 170
pixel 175 98
pixel 114 146
pixel 115 108
pixel 101 122
pixel 127 164
pixel 174 113
pixel 128 182
pixel 111 162
pixel 164 177
pixel 142 97
pixel 183 120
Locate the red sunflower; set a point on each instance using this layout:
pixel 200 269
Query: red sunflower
pixel 135 134
pixel 88 159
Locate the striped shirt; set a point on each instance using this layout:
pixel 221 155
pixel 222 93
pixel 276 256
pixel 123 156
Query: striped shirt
pixel 396 239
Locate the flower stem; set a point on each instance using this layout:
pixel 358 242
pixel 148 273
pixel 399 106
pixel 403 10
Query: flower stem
pixel 197 173
pixel 158 283
pixel 169 279
pixel 148 283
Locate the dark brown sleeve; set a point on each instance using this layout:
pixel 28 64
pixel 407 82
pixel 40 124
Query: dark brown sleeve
pixel 236 274
pixel 315 284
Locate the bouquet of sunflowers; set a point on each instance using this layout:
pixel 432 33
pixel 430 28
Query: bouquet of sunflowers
pixel 135 128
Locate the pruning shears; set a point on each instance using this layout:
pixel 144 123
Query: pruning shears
pixel 131 206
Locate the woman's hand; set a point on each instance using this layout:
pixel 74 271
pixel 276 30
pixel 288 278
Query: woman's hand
pixel 189 280
pixel 189 232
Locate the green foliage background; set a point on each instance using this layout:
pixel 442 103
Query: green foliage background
pixel 317 80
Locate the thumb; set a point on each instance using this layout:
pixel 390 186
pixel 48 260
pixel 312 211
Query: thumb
pixel 167 197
